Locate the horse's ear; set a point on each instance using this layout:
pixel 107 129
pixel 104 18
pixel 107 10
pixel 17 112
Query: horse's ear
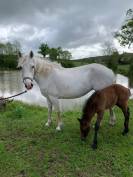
pixel 19 54
pixel 79 119
pixel 31 54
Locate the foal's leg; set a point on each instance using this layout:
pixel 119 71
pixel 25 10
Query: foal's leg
pixel 97 125
pixel 49 112
pixel 126 113
pixel 112 117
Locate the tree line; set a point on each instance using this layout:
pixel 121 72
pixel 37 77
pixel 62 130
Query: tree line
pixel 54 53
pixel 9 54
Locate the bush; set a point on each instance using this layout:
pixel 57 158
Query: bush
pixel 112 62
pixel 67 63
pixel 130 73
pixel 8 61
pixel 18 112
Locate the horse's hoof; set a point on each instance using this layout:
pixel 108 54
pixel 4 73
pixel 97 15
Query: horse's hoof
pixel 112 123
pixel 47 124
pixel 94 146
pixel 58 128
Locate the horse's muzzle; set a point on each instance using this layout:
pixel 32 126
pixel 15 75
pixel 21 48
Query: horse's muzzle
pixel 29 86
pixel 28 82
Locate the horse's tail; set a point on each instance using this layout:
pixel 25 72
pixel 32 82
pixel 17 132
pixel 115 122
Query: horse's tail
pixel 115 78
pixel 129 92
pixel 129 87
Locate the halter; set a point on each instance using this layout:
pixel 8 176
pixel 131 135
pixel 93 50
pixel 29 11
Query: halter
pixel 27 78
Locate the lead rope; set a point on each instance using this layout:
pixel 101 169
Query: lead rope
pixel 14 95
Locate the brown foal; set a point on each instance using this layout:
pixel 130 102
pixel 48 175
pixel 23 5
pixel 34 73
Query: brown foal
pixel 100 101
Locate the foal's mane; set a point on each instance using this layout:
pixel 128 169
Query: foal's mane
pixel 90 104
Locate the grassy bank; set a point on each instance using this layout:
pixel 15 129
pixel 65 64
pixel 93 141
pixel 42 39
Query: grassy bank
pixel 29 149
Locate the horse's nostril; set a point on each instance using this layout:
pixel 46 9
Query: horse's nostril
pixel 31 85
pixel 25 85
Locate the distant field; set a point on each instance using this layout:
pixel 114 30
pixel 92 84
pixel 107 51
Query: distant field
pixel 123 69
pixel 29 149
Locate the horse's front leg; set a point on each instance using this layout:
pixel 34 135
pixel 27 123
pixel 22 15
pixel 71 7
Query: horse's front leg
pixel 56 104
pixel 112 117
pixel 49 113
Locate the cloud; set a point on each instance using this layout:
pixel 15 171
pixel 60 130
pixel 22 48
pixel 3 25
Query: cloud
pixel 76 25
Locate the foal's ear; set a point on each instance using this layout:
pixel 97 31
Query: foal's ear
pixel 79 119
pixel 31 54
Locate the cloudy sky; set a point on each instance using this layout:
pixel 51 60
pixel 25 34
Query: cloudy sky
pixel 81 26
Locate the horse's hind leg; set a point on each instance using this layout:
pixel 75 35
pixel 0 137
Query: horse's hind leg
pixel 49 112
pixel 59 121
pixel 97 125
pixel 112 117
pixel 126 113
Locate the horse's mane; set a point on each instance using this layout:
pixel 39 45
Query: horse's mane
pixel 45 66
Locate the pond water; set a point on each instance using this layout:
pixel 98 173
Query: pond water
pixel 11 83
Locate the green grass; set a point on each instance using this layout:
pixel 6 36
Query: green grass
pixel 29 149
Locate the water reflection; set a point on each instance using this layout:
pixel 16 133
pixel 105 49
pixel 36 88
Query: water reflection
pixel 11 83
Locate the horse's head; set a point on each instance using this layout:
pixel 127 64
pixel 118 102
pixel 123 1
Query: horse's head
pixel 84 128
pixel 26 64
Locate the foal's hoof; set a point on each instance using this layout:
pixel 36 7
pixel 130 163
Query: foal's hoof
pixel 94 146
pixel 125 132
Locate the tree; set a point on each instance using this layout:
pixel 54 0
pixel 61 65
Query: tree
pixel 44 49
pixel 65 55
pixel 112 62
pixel 54 54
pixel 125 34
pixel 113 55
pixel 109 48
pixel 125 38
pixel 2 48
pixel 59 54
pixel 16 46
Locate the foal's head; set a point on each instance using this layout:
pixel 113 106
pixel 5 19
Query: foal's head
pixel 84 128
pixel 89 110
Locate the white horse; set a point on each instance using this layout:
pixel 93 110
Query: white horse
pixel 56 82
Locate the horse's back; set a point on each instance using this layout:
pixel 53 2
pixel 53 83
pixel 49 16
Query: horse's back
pixel 101 76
